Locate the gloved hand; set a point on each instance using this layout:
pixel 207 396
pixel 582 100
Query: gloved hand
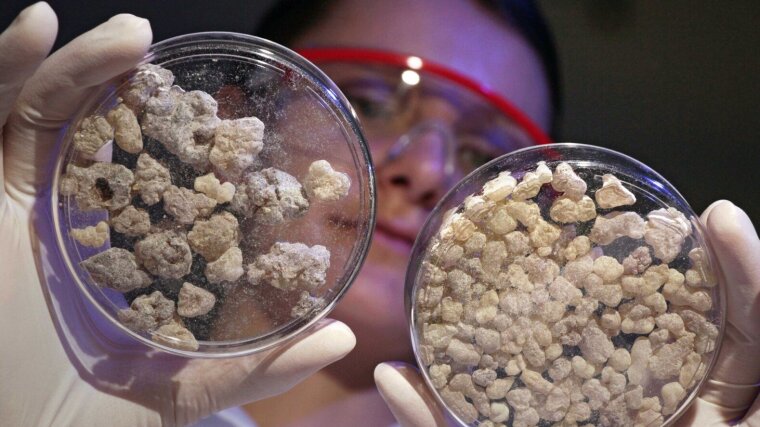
pixel 731 392
pixel 59 365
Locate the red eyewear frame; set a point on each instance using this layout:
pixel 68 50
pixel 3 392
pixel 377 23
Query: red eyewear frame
pixel 415 63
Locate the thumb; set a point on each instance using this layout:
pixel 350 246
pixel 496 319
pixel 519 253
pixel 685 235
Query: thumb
pixel 733 383
pixel 206 386
pixel 407 396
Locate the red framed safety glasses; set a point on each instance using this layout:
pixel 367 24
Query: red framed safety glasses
pixel 414 66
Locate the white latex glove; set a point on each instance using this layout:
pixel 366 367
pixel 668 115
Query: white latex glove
pixel 730 394
pixel 59 363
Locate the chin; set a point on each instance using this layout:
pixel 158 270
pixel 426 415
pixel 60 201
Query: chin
pixel 374 309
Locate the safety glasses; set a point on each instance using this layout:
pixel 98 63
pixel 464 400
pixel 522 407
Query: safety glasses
pixel 400 97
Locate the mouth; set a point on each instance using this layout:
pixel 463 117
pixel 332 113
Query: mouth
pixel 397 238
pixel 394 238
pixel 342 222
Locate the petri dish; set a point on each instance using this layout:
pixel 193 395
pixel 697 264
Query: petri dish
pixel 217 200
pixel 564 283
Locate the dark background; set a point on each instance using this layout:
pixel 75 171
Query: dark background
pixel 670 83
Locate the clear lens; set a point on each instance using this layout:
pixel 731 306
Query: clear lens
pixel 390 102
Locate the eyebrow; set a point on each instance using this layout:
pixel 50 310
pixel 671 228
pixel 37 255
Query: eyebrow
pixel 381 82
pixel 364 82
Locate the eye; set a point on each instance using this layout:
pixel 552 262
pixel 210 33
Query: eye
pixel 369 108
pixel 371 101
pixel 474 151
pixel 479 143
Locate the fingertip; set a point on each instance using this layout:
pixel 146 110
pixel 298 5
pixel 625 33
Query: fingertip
pixel 387 369
pixel 727 222
pixel 283 367
pixel 34 30
pixel 327 342
pixel 340 335
pixel 394 376
pixel 128 22
pixel 106 51
pixel 388 379
pixel 41 8
pixel 131 34
pixel 381 372
pixel 38 13
pixel 403 390
pixel 706 213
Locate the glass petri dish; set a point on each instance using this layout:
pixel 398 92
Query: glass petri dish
pixel 219 235
pixel 583 293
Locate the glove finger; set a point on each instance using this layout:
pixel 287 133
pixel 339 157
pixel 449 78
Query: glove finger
pixel 407 396
pixel 58 89
pixel 23 47
pixel 708 210
pixel 737 247
pixel 752 419
pixel 207 386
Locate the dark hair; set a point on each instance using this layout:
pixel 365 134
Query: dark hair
pixel 288 19
pixel 527 18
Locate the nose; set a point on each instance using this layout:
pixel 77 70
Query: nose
pixel 419 166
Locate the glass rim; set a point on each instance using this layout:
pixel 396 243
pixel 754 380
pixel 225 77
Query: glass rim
pixel 202 41
pixel 552 152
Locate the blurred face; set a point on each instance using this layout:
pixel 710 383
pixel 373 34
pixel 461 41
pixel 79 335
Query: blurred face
pixel 466 38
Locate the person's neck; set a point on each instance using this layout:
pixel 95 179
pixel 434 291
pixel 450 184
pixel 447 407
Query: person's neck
pixel 330 397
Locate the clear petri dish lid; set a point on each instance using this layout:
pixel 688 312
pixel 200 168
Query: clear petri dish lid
pixel 565 283
pixel 218 199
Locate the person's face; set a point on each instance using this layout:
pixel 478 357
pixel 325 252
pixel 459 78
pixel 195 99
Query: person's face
pixel 468 39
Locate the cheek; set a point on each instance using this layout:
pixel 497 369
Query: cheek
pixel 375 302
